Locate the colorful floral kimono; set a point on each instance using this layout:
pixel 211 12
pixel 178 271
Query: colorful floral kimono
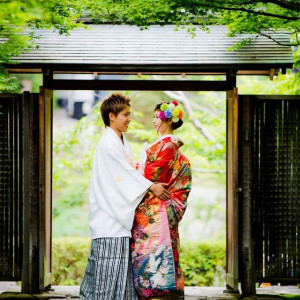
pixel 155 238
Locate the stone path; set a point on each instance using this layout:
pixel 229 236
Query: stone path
pixel 9 290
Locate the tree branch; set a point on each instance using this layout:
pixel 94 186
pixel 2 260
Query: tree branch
pixel 261 13
pixel 279 43
pixel 285 4
pixel 206 109
pixel 282 3
pixel 180 96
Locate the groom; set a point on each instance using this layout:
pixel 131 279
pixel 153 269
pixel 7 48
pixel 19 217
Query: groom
pixel 115 191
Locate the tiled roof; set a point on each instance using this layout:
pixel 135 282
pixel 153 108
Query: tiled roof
pixel 125 45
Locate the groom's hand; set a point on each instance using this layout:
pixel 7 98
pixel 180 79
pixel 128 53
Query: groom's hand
pixel 158 189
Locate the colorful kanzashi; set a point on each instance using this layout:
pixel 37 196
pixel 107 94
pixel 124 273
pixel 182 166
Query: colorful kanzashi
pixel 170 110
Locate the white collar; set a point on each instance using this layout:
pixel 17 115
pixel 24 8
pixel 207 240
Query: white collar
pixel 163 137
pixel 111 132
pixel 168 135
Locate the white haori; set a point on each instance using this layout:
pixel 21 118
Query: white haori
pixel 116 188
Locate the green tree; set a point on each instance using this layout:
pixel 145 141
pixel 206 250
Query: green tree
pixel 18 18
pixel 241 16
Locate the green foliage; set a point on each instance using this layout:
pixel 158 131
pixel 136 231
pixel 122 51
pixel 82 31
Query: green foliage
pixel 255 17
pixel 8 84
pixel 202 264
pixel 288 84
pixel 18 18
pixel 69 259
pixel 73 151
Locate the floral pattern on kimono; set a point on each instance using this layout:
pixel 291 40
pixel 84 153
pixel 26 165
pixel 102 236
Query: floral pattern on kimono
pixel 155 238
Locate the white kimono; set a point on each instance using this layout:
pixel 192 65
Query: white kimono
pixel 116 188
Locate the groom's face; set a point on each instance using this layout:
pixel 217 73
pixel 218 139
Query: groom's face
pixel 121 121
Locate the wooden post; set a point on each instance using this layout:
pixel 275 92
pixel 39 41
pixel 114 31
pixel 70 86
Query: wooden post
pixel 30 269
pixel 247 275
pixel 45 188
pixel 232 192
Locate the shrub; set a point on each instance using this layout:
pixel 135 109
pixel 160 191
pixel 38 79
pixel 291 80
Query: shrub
pixel 69 259
pixel 202 263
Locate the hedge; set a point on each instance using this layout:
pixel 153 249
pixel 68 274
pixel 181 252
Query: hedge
pixel 203 264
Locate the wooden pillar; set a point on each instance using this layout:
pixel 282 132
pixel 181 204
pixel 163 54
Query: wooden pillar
pixel 30 268
pixel 45 188
pixel 247 270
pixel 232 254
pixel 47 77
pixel 36 273
pixel 232 193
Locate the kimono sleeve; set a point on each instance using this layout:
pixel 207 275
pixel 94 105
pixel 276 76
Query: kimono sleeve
pixel 180 192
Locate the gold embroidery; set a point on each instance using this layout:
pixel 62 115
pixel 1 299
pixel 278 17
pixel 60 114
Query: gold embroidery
pixel 119 178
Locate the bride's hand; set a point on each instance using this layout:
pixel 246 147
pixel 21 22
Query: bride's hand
pixel 158 189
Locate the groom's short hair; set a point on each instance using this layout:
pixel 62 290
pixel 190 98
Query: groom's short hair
pixel 115 103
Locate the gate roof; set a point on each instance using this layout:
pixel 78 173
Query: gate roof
pixel 128 49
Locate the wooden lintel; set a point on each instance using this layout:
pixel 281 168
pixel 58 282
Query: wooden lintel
pixel 253 72
pixel 25 71
pixel 144 73
pixel 138 85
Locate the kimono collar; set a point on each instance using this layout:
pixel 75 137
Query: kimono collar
pixel 174 139
pixel 114 135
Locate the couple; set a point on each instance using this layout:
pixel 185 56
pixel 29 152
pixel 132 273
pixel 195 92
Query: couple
pixel 134 209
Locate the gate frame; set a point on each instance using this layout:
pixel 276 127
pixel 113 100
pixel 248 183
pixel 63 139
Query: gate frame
pixel 228 86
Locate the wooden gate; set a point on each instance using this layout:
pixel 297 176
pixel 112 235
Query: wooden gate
pixel 269 174
pixel 25 189
pixel 11 187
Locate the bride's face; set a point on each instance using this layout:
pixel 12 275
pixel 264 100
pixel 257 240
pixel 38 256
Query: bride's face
pixel 159 125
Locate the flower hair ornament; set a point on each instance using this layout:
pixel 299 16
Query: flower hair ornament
pixel 170 110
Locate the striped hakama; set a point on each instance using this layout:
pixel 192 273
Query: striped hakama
pixel 108 275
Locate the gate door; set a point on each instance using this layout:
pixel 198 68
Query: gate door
pixel 276 189
pixel 273 188
pixel 11 187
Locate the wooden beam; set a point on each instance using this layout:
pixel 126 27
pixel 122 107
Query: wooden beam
pixel 253 72
pixel 24 71
pixel 138 85
pixel 151 68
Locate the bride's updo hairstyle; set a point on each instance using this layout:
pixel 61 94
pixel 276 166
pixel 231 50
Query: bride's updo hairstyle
pixel 170 110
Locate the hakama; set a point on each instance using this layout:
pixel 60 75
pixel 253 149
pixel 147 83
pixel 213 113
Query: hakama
pixel 108 275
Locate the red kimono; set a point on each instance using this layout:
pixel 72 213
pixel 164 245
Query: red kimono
pixel 155 238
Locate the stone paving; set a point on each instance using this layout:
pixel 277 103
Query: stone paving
pixel 10 290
